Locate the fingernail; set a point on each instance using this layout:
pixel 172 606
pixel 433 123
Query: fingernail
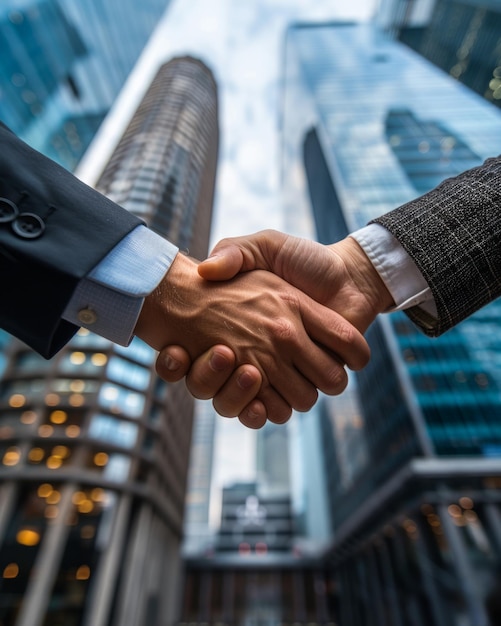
pixel 218 362
pixel 245 380
pixel 252 414
pixel 171 364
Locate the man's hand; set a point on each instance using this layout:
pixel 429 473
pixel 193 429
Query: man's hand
pixel 339 276
pixel 267 323
pixel 214 375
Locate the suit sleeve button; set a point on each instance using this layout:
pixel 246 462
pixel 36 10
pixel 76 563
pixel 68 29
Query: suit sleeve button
pixel 8 211
pixel 87 317
pixel 28 225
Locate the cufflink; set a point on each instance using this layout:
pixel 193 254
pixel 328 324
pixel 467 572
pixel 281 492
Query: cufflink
pixel 87 316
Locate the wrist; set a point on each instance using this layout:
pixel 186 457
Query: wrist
pixel 364 275
pixel 166 310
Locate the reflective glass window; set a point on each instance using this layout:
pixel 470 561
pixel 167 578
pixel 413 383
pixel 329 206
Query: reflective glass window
pixel 127 373
pixel 113 430
pixel 121 401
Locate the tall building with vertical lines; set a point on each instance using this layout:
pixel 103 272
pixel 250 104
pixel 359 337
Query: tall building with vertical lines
pixel 94 448
pixel 64 63
pixel 412 456
pixel 461 37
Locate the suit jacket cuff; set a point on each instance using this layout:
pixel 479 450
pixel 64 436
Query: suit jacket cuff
pixel 109 299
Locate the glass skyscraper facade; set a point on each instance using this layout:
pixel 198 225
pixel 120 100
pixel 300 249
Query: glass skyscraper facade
pixel 63 64
pixel 413 462
pixel 94 447
pixel 462 37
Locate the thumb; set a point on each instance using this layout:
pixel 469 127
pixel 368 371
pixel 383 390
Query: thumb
pixel 224 262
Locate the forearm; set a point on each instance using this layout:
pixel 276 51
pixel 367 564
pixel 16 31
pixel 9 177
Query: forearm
pixel 453 235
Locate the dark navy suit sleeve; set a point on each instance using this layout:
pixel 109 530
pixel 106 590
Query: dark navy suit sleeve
pixel 53 230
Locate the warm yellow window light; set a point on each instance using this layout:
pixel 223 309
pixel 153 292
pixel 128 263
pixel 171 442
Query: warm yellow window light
pixel 58 417
pixel 11 456
pixel 28 537
pixel 16 400
pixel 11 570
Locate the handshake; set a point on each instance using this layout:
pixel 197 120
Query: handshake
pixel 264 323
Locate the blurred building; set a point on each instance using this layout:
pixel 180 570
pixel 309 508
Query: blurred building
pixel 412 456
pixel 63 64
pixel 198 533
pixel 253 574
pixel 94 448
pixel 462 37
pixel 272 459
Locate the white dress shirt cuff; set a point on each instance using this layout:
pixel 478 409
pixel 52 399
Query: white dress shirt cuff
pixel 109 299
pixel 397 270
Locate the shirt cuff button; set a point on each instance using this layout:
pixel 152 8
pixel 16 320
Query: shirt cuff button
pixel 87 316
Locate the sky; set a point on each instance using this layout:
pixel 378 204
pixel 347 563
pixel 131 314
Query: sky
pixel 241 42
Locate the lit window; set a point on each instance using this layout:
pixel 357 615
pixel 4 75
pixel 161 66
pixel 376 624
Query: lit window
pixel 54 462
pixel 35 455
pixel 100 459
pixel 28 417
pixel 72 431
pixel 52 399
pixel 77 358
pixel 17 400
pixel 83 572
pixel 44 490
pixel 77 386
pixel 58 417
pixel 12 456
pixel 76 399
pixel 11 570
pixel 85 506
pixel 99 359
pixel 45 430
pixel 28 537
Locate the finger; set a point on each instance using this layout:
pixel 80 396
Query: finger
pixel 210 371
pixel 332 331
pixel 311 367
pixel 222 264
pixel 242 254
pixel 173 363
pixel 328 374
pixel 276 410
pixel 254 415
pixel 238 392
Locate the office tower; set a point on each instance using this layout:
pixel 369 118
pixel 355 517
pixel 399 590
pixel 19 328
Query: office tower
pixel 462 37
pixel 272 459
pixel 95 447
pixel 197 526
pixel 369 125
pixel 63 64
pixel 254 575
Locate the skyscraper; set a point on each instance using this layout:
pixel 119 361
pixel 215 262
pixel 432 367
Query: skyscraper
pixel 368 125
pixel 95 447
pixel 468 48
pixel 63 64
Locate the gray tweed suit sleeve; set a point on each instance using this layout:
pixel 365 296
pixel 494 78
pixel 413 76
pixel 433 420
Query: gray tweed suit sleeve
pixel 453 234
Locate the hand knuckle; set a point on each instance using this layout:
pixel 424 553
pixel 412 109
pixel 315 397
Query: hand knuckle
pixel 284 329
